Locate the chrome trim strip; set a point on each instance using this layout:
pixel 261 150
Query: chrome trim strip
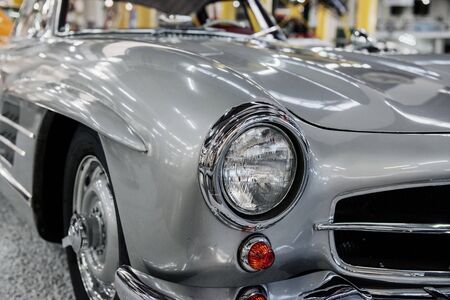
pixel 16 126
pixel 386 275
pixel 5 161
pixel 333 286
pixel 438 293
pixel 152 31
pixel 15 184
pixel 386 227
pixel 136 287
pixel 407 293
pixel 13 147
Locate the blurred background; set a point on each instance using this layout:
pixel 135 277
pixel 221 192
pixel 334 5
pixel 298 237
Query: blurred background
pixel 9 12
pixel 389 26
pixel 406 26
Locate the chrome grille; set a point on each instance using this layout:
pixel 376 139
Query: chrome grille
pixel 403 230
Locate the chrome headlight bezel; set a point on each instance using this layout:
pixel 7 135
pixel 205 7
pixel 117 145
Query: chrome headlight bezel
pixel 231 126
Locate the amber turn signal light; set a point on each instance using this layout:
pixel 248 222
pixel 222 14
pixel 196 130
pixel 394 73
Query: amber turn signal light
pixel 253 293
pixel 257 297
pixel 256 254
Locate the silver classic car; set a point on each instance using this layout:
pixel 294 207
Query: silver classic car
pixel 183 150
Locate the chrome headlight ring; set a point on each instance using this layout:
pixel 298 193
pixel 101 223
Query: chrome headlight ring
pixel 224 132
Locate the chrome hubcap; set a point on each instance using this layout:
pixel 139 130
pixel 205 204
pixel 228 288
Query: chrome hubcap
pixel 93 230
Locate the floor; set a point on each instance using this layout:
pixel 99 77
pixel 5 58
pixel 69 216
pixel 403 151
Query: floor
pixel 30 268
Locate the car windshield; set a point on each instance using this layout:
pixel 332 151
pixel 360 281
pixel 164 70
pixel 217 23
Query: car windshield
pixel 227 16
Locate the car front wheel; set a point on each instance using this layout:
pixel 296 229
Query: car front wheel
pixel 90 222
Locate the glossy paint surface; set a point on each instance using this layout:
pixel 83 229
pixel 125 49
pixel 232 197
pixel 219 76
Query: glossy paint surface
pixel 194 248
pixel 153 102
pixel 336 89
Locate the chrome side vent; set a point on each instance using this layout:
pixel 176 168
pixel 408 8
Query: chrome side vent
pixel 8 133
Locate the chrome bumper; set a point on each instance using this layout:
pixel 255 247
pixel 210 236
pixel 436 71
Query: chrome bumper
pixel 134 285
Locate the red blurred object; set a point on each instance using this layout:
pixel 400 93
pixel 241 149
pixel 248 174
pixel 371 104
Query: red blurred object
pixel 257 297
pixel 253 293
pixel 260 257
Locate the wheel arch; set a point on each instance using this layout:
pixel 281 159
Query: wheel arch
pixel 53 140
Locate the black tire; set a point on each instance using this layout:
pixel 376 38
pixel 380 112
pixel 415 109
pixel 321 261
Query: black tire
pixel 85 142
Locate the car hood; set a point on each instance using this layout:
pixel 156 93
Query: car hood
pixel 341 90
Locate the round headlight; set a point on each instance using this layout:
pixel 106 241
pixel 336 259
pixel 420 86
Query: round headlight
pixel 258 170
pixel 253 166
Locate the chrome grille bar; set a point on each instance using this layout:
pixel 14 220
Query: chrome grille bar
pixel 426 293
pixel 385 227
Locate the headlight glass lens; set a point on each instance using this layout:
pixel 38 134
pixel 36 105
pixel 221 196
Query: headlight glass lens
pixel 258 170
